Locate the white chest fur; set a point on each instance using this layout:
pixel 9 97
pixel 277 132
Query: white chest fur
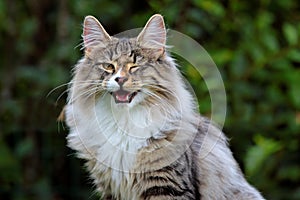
pixel 111 134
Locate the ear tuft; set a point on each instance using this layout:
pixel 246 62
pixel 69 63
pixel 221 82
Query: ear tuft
pixel 153 35
pixel 93 34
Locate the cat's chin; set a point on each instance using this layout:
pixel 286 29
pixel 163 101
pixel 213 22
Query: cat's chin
pixel 123 96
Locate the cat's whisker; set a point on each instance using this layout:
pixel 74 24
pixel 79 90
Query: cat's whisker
pixel 96 90
pixel 85 95
pixel 103 94
pixel 56 88
pixel 167 107
pixel 68 84
pixel 81 83
pixel 64 92
pixel 163 89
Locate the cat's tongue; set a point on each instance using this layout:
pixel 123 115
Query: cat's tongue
pixel 122 96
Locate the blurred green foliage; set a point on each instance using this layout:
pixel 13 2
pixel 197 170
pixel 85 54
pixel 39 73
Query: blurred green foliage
pixel 255 44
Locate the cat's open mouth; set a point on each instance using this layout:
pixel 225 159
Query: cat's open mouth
pixel 123 96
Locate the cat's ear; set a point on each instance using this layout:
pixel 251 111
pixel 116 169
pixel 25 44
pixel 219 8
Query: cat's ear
pixel 153 36
pixel 93 34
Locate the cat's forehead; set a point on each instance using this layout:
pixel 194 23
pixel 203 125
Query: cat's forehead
pixel 125 45
pixel 122 46
pixel 118 49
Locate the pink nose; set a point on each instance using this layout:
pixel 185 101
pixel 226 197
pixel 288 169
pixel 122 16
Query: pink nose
pixel 121 80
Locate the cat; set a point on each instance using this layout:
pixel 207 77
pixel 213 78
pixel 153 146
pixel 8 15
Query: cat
pixel 135 123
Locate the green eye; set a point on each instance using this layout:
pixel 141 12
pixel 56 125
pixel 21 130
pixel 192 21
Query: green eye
pixel 108 67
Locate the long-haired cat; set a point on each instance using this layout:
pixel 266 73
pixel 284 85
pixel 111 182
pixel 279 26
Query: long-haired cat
pixel 136 125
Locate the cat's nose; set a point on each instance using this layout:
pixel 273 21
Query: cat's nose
pixel 121 80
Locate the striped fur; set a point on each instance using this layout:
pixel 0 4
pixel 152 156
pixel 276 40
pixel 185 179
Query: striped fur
pixel 148 142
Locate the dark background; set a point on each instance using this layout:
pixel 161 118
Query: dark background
pixel 255 45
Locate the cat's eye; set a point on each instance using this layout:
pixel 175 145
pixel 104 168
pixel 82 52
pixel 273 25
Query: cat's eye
pixel 133 69
pixel 108 67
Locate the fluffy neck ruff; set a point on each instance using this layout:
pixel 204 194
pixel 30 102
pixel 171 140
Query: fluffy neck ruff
pixel 111 134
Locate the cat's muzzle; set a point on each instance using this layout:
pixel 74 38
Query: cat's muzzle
pixel 123 96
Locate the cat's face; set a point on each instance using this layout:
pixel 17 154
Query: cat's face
pixel 121 75
pixel 131 70
pixel 123 70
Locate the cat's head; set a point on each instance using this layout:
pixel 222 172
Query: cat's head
pixel 130 70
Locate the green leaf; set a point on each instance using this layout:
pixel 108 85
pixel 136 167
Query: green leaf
pixel 257 155
pixel 24 148
pixel 290 33
pixel 222 56
pixel 294 55
pixel 8 164
pixel 293 78
pixel 212 7
pixel 238 65
pixel 270 41
pixel 289 172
